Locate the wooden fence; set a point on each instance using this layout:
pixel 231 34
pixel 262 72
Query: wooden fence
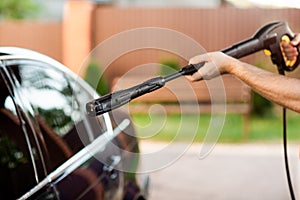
pixel 44 37
pixel 214 29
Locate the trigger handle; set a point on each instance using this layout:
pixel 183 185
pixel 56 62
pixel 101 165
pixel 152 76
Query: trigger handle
pixel 290 64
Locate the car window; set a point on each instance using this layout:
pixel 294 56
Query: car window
pixel 16 169
pixel 57 103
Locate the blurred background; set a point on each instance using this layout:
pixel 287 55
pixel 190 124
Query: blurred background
pixel 247 162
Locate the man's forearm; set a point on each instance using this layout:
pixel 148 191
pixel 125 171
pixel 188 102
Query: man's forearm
pixel 274 87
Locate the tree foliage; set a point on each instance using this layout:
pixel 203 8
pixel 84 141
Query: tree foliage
pixel 94 76
pixel 18 9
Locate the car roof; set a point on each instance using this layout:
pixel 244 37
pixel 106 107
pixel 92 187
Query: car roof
pixel 14 51
pixel 26 53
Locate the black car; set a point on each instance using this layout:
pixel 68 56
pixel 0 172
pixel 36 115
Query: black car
pixel 49 147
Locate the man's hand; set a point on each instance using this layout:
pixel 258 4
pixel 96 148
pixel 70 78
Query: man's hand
pixel 290 49
pixel 217 63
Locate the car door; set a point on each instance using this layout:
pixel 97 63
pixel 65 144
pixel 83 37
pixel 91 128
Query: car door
pixel 53 103
pixel 21 165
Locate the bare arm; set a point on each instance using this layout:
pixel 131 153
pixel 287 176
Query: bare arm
pixel 282 90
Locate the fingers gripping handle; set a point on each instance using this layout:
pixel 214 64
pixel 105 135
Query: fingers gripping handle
pixel 289 65
pixel 283 34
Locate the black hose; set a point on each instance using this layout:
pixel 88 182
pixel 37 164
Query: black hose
pixel 284 136
pixel 286 161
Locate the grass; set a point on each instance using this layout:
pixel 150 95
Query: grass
pixel 195 127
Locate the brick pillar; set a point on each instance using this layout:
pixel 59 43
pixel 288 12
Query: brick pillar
pixel 77 32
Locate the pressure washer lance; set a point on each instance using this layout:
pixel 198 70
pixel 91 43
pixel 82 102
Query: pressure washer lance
pixel 267 38
pixel 114 100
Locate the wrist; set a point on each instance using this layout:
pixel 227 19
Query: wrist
pixel 232 65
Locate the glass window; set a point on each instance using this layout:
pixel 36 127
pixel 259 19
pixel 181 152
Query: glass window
pixel 57 104
pixel 16 170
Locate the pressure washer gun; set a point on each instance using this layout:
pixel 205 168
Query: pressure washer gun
pixel 267 38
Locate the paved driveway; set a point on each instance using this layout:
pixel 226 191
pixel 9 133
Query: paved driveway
pixel 230 172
